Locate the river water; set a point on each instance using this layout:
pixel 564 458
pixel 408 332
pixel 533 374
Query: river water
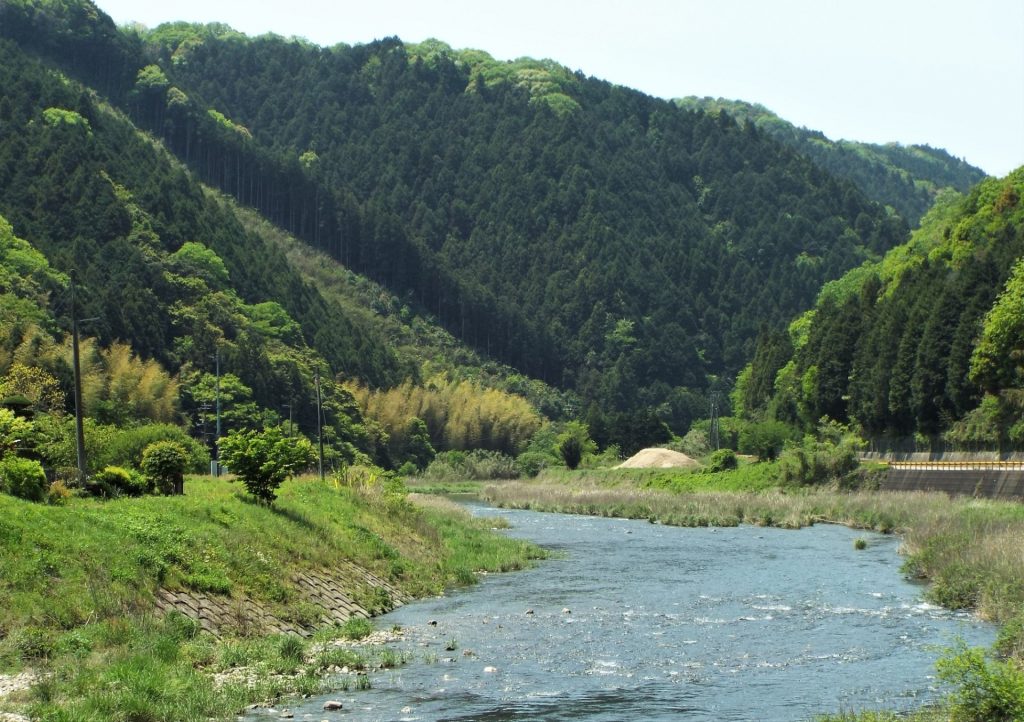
pixel 638 621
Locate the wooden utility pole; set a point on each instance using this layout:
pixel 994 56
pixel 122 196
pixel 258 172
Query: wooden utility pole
pixel 319 426
pixel 77 370
pixel 216 440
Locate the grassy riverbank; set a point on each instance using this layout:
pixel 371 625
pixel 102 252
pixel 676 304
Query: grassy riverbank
pixel 77 586
pixel 971 551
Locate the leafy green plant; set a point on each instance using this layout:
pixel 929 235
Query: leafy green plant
pixel 23 478
pixel 571 451
pixel 263 460
pixel 721 460
pixel 125 446
pixel 15 432
pixel 118 481
pixel 356 628
pixel 163 463
pixel 574 443
pixel 985 689
pixel 765 439
pixel 476 464
pixel 831 457
pixel 292 649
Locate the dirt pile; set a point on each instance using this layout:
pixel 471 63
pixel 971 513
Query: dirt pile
pixel 658 459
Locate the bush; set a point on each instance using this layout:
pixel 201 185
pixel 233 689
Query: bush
pixel 125 446
pixel 574 443
pixel 117 481
pixel 985 690
pixel 830 458
pixel 765 439
pixel 264 459
pixel 694 444
pixel 571 451
pixel 721 460
pixel 477 464
pixel 530 463
pixel 164 463
pixel 23 478
pixel 58 493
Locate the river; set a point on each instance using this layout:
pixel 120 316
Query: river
pixel 638 621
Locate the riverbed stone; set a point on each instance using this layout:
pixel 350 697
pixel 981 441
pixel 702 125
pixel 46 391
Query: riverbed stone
pixel 332 705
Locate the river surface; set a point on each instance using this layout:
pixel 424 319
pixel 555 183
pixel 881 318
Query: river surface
pixel 638 621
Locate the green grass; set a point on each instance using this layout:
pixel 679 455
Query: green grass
pixel 77 585
pixel 749 476
pixel 424 486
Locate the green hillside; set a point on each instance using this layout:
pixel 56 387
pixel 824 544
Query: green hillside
pixel 908 178
pixel 582 233
pixel 926 343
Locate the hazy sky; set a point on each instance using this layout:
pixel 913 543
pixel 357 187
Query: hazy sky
pixel 947 73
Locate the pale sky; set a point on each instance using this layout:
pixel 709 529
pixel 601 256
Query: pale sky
pixel 947 73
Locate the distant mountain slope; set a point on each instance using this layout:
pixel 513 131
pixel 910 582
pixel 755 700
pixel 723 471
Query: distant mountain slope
pixel 644 245
pixel 928 341
pixel 907 177
pixel 582 232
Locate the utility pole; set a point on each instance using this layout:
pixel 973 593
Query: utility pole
pixel 215 464
pixel 319 425
pixel 77 369
pixel 714 421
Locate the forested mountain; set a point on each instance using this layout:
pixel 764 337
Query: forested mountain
pixel 928 342
pixel 908 178
pixel 584 233
pixel 182 275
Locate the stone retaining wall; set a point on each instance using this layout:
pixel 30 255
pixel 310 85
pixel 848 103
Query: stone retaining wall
pixel 991 483
pixel 332 591
pixel 923 456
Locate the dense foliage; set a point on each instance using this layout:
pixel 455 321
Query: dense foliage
pixel 908 178
pixel 587 234
pixel 263 460
pixel 926 344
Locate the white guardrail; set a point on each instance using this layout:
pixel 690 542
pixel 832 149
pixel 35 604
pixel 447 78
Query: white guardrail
pixel 1015 465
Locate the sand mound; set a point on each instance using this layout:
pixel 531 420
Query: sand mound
pixel 658 459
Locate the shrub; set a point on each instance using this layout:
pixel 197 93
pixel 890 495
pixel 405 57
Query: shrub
pixel 985 690
pixel 291 649
pixel 163 463
pixel 530 463
pixel 721 460
pixel 125 446
pixel 58 493
pixel 476 464
pixel 764 439
pixel 694 444
pixel 832 457
pixel 23 478
pixel 117 481
pixel 356 628
pixel 15 432
pixel 574 443
pixel 264 459
pixel 571 451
